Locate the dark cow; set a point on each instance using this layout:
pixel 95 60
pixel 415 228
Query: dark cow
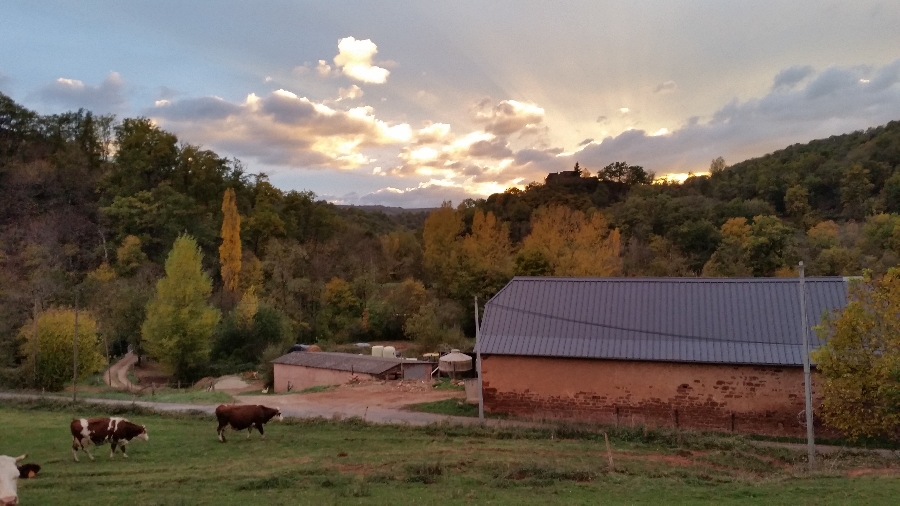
pixel 118 432
pixel 10 472
pixel 244 416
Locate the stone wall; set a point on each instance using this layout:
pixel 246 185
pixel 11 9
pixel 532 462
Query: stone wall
pixel 740 398
pixel 304 377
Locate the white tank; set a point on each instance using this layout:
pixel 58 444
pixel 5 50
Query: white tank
pixel 389 351
pixel 377 350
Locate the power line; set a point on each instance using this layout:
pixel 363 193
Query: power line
pixel 639 331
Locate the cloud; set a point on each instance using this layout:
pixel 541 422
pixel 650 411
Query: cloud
pixel 355 61
pixel 282 128
pixel 508 116
pixel 107 97
pixel 351 93
pixel 585 142
pixel 790 76
pixel 666 87
pixel 836 100
pixel 323 68
pixel 5 80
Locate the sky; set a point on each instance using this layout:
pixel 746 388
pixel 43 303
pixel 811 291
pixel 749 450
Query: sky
pixel 414 103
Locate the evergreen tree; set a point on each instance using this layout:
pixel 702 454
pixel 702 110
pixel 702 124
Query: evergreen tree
pixel 180 322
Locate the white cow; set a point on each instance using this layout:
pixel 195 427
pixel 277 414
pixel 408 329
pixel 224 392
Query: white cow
pixel 9 479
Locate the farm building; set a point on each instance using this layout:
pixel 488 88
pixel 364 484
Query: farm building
pixel 703 353
pixel 305 369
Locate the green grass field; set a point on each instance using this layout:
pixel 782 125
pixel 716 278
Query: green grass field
pixel 350 462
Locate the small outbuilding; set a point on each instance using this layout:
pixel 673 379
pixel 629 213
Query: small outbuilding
pixel 303 370
pixel 703 353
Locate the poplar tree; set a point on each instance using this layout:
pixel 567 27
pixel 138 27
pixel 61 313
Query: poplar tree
pixel 230 250
pixel 180 322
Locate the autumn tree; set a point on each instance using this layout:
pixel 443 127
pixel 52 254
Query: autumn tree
pixel 441 248
pixel 486 258
pixel 180 322
pixel 574 244
pixel 230 249
pixel 860 360
pixel 55 336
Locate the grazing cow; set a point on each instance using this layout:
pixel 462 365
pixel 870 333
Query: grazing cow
pixel 118 432
pixel 10 472
pixel 241 417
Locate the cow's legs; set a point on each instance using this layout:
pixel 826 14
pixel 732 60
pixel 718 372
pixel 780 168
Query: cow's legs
pixel 112 450
pixel 259 427
pixel 83 444
pixel 249 431
pixel 75 445
pixel 221 431
pixel 122 447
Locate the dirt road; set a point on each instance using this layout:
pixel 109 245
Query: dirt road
pixel 374 415
pixel 117 375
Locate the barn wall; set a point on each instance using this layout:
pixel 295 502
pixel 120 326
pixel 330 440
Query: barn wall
pixel 304 377
pixel 742 398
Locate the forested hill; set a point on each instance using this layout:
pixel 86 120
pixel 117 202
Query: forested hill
pixel 92 204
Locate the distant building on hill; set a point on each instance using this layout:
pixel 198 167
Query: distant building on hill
pixel 700 353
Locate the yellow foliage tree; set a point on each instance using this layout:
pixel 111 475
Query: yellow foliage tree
pixel 860 361
pixel 574 244
pixel 55 336
pixel 441 255
pixel 230 249
pixel 488 245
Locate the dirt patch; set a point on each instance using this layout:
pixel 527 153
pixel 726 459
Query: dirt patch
pixel 381 394
pixel 150 371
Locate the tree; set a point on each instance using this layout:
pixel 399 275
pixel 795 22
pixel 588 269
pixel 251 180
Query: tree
pixel 860 360
pixel 55 335
pixel 855 189
pixel 180 322
pixel 230 249
pixel 796 201
pixel 441 249
pixel 717 166
pixel 729 259
pixel 573 244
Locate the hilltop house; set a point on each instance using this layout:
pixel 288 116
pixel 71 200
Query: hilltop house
pixel 703 353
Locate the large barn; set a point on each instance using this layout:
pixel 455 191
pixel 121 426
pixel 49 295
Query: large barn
pixel 702 353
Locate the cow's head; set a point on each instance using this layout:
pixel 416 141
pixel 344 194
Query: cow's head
pixel 9 479
pixel 278 417
pixel 143 435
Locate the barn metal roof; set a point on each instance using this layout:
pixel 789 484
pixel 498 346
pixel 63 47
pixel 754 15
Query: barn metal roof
pixel 712 320
pixel 366 364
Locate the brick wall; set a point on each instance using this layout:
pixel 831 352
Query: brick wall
pixel 740 398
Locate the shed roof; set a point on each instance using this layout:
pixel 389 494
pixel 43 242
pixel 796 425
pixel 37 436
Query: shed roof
pixel 712 320
pixel 365 364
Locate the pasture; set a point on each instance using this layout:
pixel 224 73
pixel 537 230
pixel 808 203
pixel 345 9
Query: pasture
pixel 352 462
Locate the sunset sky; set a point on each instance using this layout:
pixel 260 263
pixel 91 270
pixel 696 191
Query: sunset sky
pixel 412 103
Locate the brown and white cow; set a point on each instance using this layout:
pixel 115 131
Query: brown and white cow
pixel 245 416
pixel 116 431
pixel 10 472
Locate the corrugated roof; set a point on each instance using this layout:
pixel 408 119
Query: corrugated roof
pixel 365 364
pixel 741 321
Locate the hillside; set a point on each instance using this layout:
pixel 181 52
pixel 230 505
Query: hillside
pixel 92 205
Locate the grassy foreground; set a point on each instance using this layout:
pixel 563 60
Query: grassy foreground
pixel 350 462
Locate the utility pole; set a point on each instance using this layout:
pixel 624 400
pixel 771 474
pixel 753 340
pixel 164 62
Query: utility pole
pixel 478 363
pixel 75 354
pixel 35 339
pixel 804 329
